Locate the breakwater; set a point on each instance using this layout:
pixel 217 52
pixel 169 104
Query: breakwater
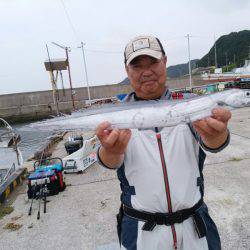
pixel 22 107
pixel 28 106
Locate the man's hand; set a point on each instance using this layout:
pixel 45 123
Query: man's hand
pixel 113 144
pixel 213 130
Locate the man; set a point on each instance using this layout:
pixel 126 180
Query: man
pixel 160 169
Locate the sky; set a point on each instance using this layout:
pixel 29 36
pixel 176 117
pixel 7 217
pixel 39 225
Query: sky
pixel 104 27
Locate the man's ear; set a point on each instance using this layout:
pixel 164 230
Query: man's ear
pixel 165 59
pixel 126 67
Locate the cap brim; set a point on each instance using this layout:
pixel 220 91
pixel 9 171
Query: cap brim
pixel 144 52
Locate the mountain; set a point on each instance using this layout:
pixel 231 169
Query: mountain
pixel 180 69
pixel 231 48
pixel 125 81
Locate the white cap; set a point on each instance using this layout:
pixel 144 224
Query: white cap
pixel 143 45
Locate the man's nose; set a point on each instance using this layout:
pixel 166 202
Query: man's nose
pixel 147 72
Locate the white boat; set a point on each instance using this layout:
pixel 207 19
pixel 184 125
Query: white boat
pixel 9 139
pixel 237 74
pixel 82 158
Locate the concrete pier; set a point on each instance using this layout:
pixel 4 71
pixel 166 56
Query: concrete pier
pixel 83 216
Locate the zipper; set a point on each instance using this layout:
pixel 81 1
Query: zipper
pixel 165 175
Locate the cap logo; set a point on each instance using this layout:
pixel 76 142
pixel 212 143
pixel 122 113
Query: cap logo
pixel 141 44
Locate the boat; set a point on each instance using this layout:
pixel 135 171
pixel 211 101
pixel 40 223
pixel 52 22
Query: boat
pixel 82 158
pixel 10 174
pixel 73 144
pixel 238 74
pixel 9 139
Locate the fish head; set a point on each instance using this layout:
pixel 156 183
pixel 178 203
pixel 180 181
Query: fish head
pixel 239 99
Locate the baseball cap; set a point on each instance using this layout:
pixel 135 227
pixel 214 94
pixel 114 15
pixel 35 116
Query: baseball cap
pixel 143 45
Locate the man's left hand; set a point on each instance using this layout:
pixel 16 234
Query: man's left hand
pixel 213 130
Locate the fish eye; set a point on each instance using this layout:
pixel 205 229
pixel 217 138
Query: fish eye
pixel 247 94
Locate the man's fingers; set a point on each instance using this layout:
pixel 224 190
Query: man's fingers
pixel 216 125
pixel 111 139
pixel 124 138
pixel 221 114
pixel 104 125
pixel 102 128
pixel 204 127
pixel 200 131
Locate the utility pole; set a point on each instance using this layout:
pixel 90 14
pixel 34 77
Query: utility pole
pixel 85 69
pixel 67 49
pixel 215 53
pixel 189 64
pixel 226 60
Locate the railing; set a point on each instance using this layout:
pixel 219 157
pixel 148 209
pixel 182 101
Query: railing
pixel 9 173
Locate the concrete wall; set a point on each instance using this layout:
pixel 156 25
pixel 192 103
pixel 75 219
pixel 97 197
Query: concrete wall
pixel 36 105
pixel 183 82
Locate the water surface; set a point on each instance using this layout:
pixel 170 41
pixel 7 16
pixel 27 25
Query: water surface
pixel 31 141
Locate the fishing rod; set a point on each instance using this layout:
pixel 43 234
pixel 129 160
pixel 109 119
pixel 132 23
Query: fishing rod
pixel 33 196
pixel 39 200
pixel 45 195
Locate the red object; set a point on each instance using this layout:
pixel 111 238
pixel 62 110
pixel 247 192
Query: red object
pixel 60 179
pixel 180 95
pixel 174 95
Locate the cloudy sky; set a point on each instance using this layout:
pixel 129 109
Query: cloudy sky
pixel 105 27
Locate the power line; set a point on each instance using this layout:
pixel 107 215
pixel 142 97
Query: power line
pixel 105 51
pixel 99 51
pixel 69 20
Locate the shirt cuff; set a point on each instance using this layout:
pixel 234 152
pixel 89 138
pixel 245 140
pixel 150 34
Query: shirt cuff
pixel 220 148
pixel 100 162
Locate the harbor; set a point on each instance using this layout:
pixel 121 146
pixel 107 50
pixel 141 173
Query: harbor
pixel 125 125
pixel 83 216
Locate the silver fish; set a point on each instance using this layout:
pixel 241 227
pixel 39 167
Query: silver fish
pixel 148 114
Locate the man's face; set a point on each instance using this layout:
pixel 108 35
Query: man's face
pixel 147 76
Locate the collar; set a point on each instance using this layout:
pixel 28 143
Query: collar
pixel 165 96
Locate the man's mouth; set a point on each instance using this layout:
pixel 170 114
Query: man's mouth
pixel 148 82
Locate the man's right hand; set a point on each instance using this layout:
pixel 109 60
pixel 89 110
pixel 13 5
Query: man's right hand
pixel 113 144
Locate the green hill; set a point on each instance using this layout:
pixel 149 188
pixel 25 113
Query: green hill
pixel 180 69
pixel 231 48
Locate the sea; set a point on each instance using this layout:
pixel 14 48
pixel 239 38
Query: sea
pixel 31 141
